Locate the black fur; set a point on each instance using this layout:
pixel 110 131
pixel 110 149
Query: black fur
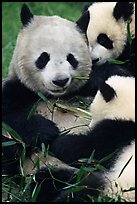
pixel 26 15
pixel 123 10
pixel 128 55
pixel 83 22
pixel 17 101
pixel 72 60
pixel 105 41
pixel 42 60
pixel 52 191
pixel 107 92
pixel 105 138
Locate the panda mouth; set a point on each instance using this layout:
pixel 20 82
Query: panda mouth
pixel 57 92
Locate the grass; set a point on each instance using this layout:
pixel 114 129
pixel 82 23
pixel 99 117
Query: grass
pixel 11 22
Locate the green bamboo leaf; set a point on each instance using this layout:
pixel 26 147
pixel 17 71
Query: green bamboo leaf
pixel 125 166
pixel 6 144
pixel 114 61
pixel 81 77
pixel 33 110
pixel 76 189
pixel 13 133
pixel 129 33
pixel 42 97
pixel 45 150
pixel 106 158
pixel 91 157
pixel 80 173
pixel 22 159
pixel 35 192
pixel 37 164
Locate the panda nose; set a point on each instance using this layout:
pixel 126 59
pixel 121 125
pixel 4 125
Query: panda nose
pixel 94 61
pixel 60 82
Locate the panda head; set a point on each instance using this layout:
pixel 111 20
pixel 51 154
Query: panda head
pixel 114 100
pixel 106 25
pixel 50 52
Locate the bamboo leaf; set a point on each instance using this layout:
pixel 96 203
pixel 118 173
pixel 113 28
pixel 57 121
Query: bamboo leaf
pixel 12 132
pixel 76 189
pixel 6 144
pixel 106 158
pixel 114 61
pixel 91 157
pixel 22 159
pixel 42 97
pixel 81 77
pixel 129 33
pixel 33 110
pixel 125 166
pixel 35 192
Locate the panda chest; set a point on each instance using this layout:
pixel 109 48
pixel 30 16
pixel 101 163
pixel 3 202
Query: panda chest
pixel 66 116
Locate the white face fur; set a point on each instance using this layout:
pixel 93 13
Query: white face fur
pixel 49 53
pixel 122 106
pixel 102 21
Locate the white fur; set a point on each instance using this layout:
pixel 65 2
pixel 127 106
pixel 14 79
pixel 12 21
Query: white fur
pixel 58 37
pixel 127 178
pixel 121 106
pixel 103 21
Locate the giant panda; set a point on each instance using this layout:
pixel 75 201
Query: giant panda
pixel 50 53
pixel 106 25
pixel 111 136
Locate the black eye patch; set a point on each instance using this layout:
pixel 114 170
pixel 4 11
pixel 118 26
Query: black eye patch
pixel 72 60
pixel 42 60
pixel 105 41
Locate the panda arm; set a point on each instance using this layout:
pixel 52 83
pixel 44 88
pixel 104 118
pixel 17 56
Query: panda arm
pixel 52 189
pixel 17 102
pixel 105 138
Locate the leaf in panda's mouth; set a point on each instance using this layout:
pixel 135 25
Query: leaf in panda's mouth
pixel 81 77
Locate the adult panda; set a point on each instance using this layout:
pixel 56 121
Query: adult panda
pixel 50 53
pixel 112 136
pixel 110 29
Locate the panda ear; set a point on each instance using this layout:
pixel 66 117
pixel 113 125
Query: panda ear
pixel 85 8
pixel 25 15
pixel 107 92
pixel 123 10
pixel 83 21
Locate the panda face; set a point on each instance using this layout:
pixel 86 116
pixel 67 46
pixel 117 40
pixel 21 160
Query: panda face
pixel 115 100
pixel 49 53
pixel 107 30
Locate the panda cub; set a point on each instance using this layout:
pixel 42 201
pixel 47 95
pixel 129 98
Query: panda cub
pixel 112 135
pixel 50 53
pixel 106 25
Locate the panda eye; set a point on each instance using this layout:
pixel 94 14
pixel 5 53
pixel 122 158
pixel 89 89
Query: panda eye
pixel 72 60
pixel 42 60
pixel 105 41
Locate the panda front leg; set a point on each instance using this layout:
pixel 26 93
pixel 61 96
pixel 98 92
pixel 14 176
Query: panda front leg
pixel 62 185
pixel 17 101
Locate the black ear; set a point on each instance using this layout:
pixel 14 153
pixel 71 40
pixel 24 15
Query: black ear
pixel 123 10
pixel 83 21
pixel 25 15
pixel 85 8
pixel 107 92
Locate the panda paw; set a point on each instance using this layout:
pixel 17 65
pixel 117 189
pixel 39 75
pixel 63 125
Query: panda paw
pixel 41 130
